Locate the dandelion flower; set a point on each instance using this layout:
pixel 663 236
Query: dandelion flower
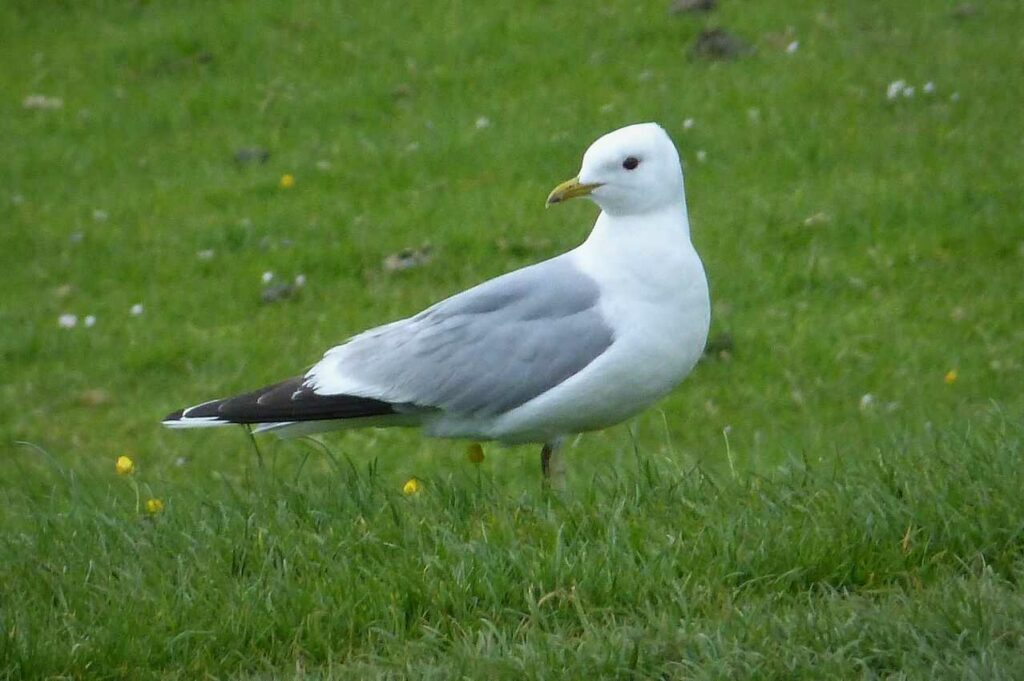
pixel 137 309
pixel 702 155
pixel 67 321
pixel 154 506
pixel 475 453
pixel 688 123
pixel 124 465
pixel 950 377
pixel 483 122
pixel 793 47
pixel 300 280
pixel 411 486
pixel 267 277
pixel 287 181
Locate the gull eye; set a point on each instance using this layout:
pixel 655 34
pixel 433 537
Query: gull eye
pixel 631 163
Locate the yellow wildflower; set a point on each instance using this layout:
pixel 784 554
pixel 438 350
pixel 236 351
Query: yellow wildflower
pixel 124 466
pixel 475 454
pixel 154 506
pixel 287 181
pixel 411 486
pixel 950 377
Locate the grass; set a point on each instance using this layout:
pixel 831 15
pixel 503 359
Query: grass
pixel 856 246
pixel 903 564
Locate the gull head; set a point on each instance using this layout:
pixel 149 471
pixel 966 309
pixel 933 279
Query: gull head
pixel 630 171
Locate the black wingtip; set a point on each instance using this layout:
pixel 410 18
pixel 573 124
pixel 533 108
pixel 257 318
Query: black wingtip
pixel 174 415
pixel 288 400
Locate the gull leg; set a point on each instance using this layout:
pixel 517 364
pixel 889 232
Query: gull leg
pixel 552 465
pixel 546 453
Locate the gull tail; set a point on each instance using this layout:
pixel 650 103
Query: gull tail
pixel 284 406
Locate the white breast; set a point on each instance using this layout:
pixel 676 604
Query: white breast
pixel 654 294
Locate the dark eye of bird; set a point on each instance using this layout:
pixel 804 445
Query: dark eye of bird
pixel 631 163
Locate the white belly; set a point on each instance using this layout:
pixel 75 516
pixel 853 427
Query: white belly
pixel 661 326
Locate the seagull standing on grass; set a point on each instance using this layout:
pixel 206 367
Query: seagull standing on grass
pixel 572 344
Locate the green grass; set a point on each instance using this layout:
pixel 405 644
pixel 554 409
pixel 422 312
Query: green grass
pixel 902 564
pixel 827 536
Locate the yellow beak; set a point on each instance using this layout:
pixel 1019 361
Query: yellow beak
pixel 570 189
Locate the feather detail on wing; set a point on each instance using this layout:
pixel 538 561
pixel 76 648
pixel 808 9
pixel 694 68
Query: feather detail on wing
pixel 480 353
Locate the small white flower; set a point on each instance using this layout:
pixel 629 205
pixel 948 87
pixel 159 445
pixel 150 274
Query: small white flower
pixel 205 254
pixel 928 88
pixel 753 115
pixel 702 155
pixel 895 89
pixel 267 277
pixel 99 215
pixel 300 280
pixel 137 309
pixel 867 401
pixel 412 146
pixel 67 321
pixel 688 123
pixel 323 165
pixel 483 122
pixel 89 321
pixel 955 97
pixel 793 47
pixel 42 102
pixel 908 91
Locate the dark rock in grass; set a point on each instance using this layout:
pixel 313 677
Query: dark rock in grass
pixel 680 6
pixel 408 258
pixel 279 292
pixel 720 345
pixel 719 44
pixel 965 11
pixel 247 155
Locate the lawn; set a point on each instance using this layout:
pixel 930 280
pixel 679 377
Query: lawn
pixel 834 492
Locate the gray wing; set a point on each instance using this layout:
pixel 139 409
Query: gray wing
pixel 480 353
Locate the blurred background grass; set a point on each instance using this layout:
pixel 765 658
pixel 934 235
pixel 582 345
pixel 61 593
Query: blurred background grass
pixel 855 245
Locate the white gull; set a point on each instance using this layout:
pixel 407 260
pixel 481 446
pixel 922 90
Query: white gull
pixel 572 344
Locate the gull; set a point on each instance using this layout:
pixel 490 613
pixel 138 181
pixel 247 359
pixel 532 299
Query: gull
pixel 572 344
